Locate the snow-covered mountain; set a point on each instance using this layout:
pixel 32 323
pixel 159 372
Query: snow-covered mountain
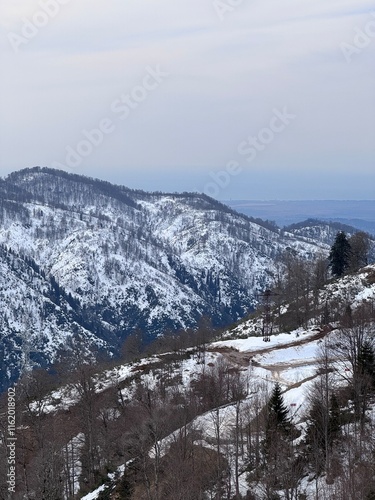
pixel 87 260
pixel 229 382
pixel 323 231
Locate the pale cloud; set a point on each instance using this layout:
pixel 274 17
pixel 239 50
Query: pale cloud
pixel 225 79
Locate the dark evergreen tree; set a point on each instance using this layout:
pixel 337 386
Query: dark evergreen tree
pixel 347 318
pixel 279 456
pixel 277 410
pixel 366 361
pixel 339 257
pixel 334 422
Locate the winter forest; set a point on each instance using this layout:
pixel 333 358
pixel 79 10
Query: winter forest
pixel 133 328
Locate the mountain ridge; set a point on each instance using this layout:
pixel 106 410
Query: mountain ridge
pixel 116 260
pixel 231 379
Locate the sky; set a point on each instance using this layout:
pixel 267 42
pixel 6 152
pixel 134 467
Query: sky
pixel 240 99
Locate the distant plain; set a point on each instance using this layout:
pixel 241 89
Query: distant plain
pixel 357 213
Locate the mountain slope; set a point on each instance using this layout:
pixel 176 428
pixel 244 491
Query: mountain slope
pixel 124 260
pixel 319 230
pixel 228 384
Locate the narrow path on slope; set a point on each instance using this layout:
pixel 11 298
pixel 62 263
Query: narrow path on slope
pixel 277 370
pixel 244 359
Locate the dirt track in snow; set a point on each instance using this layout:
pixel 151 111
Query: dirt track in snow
pixel 246 358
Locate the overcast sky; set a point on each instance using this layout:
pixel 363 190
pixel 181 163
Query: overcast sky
pixel 245 100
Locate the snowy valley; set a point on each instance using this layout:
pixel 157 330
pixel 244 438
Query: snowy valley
pixel 88 262
pixel 133 327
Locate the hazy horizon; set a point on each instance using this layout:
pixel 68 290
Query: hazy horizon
pixel 258 100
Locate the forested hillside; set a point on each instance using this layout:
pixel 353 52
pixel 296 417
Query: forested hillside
pixel 237 418
pixel 133 328
pixel 84 261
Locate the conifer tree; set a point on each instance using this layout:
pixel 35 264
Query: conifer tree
pixel 277 410
pixel 366 361
pixel 334 422
pixel 340 254
pixel 277 442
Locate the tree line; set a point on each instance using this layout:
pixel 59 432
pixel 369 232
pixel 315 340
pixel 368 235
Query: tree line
pixel 349 254
pixel 328 449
